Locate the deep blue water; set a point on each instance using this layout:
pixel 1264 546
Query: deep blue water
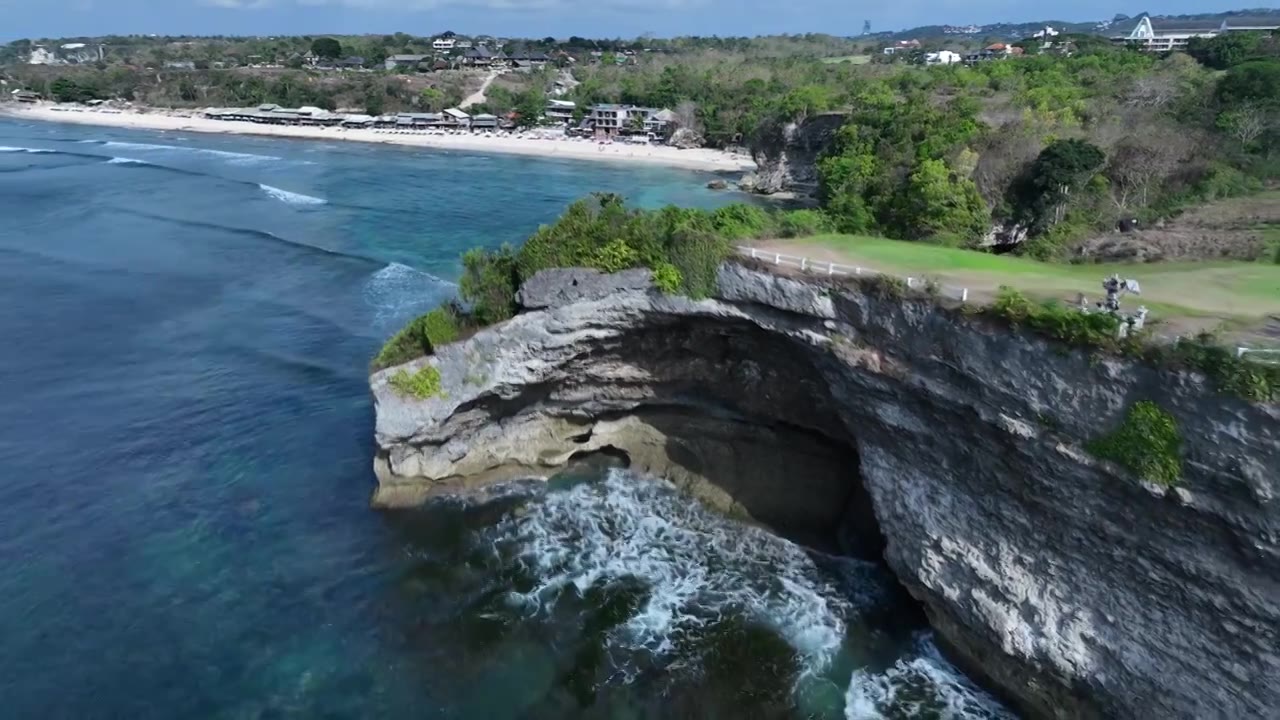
pixel 185 467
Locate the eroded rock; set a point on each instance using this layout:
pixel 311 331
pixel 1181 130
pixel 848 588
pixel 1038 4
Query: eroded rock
pixel 1076 589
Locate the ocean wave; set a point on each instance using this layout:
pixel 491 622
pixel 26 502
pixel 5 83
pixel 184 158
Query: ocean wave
pixel 921 685
pixel 234 156
pixel 291 198
pixel 33 151
pixel 126 161
pixel 699 568
pixel 399 291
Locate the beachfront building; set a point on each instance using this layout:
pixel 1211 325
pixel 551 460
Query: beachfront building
pixel 1169 34
pixel 274 115
pixel 443 43
pixel 484 121
pixel 560 111
pixel 610 119
pixel 456 118
pixel 25 96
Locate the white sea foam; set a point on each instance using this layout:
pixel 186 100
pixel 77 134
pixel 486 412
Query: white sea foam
pixel 698 566
pixel 291 198
pixel 923 684
pixel 34 151
pixel 239 158
pixel 126 161
pixel 398 292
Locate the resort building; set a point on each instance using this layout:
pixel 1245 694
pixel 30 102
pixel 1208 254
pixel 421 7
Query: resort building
pixel 410 62
pixel 443 43
pixel 1168 34
pixel 560 111
pixel 613 119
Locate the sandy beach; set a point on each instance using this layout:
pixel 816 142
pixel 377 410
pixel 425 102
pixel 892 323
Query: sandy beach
pixel 694 159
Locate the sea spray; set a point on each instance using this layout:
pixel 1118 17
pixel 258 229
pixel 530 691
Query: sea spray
pixel 699 567
pixel 920 684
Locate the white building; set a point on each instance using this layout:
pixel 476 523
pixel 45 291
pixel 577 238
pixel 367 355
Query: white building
pixel 1165 35
pixel 443 43
pixel 1046 33
pixel 942 57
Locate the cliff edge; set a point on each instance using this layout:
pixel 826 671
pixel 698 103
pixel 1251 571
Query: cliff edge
pixel 951 443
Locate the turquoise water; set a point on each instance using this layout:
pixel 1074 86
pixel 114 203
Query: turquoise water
pixel 185 465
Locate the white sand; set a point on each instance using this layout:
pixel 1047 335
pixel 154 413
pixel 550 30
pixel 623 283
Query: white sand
pixel 696 159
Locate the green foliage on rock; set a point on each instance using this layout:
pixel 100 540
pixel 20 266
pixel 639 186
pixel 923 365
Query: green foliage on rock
pixel 667 278
pixel 488 284
pixel 1062 323
pixel 1230 373
pixel 1147 444
pixel 423 384
pixel 420 337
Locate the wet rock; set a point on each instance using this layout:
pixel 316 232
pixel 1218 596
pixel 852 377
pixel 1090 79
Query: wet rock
pixel 1071 586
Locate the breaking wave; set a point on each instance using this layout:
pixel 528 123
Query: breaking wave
pixel 33 151
pixel 699 568
pixel 397 292
pixel 923 684
pixel 126 161
pixel 291 198
pixel 242 158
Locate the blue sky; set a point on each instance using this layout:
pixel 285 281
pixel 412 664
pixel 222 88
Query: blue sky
pixel 527 18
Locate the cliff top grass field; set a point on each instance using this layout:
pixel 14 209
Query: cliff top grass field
pixel 1198 295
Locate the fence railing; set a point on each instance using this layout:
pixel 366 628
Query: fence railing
pixel 1266 356
pixel 821 267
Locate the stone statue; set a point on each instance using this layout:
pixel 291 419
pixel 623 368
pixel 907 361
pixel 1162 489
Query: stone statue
pixel 1115 287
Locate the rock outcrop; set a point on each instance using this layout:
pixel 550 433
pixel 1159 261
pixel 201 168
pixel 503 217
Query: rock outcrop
pixel 787 155
pixel 952 444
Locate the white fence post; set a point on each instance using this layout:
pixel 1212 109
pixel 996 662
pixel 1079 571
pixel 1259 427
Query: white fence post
pixel 753 253
pixel 857 271
pixel 964 294
pixel 804 263
pixel 831 268
pixel 777 259
pixel 909 281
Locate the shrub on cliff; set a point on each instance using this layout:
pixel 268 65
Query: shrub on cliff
pixel 1059 322
pixel 420 337
pixel 488 284
pixel 423 384
pixel 1147 444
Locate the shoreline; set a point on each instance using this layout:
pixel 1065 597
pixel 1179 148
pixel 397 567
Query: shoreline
pixel 700 159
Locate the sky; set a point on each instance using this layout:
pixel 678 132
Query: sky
pixel 539 18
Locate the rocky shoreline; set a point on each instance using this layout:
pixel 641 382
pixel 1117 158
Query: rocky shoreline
pixel 950 443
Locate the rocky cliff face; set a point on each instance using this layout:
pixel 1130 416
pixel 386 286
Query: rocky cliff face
pixel 952 445
pixel 787 157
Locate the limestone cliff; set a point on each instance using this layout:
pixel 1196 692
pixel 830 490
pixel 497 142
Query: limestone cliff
pixel 1078 590
pixel 787 155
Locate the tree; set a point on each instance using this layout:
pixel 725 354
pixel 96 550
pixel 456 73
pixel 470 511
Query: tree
pixel 1140 162
pixel 1256 82
pixel 937 204
pixel 326 48
pixel 1224 51
pixel 1061 168
pixel 1247 123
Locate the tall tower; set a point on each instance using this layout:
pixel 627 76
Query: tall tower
pixel 866 27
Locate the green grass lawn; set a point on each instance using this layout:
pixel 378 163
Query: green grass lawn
pixel 1220 288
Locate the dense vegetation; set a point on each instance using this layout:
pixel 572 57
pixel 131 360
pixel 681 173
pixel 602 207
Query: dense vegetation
pixel 1147 444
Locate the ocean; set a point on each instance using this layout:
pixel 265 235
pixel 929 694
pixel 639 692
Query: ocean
pixel 186 436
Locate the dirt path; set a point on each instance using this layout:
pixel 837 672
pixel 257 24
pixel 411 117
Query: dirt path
pixel 478 96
